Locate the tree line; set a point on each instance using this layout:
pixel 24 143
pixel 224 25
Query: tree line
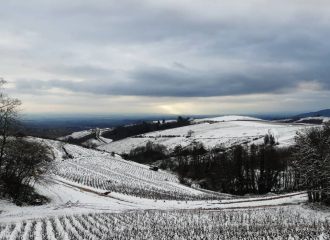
pixel 257 169
pixel 239 170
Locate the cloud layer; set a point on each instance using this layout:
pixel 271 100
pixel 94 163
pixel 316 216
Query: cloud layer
pixel 168 49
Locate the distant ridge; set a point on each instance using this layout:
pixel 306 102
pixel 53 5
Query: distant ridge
pixel 324 113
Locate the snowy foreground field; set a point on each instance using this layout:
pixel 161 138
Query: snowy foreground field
pixel 275 223
pixel 228 130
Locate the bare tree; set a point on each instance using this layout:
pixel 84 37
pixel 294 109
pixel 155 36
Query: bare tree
pixel 23 162
pixel 190 133
pixel 9 120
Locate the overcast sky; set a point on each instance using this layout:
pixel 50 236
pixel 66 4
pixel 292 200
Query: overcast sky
pixel 166 56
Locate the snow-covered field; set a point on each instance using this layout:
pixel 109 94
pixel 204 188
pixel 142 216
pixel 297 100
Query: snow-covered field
pixel 280 223
pixel 227 130
pixel 322 119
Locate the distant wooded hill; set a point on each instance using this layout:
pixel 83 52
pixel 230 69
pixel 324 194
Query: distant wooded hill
pixel 324 113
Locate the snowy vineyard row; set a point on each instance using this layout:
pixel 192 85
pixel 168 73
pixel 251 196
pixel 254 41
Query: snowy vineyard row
pixel 124 167
pixel 100 170
pixel 104 179
pixel 263 224
pixel 78 151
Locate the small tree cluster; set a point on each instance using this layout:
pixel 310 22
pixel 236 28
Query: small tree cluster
pixel 25 163
pixel 190 133
pixel 149 153
pixel 269 139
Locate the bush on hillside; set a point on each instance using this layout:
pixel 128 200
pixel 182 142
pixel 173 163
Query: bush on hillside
pixel 22 162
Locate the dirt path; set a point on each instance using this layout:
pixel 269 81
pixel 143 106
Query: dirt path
pixel 251 207
pixel 218 209
pixel 203 209
pixel 98 137
pixel 91 191
pixel 263 199
pixel 52 151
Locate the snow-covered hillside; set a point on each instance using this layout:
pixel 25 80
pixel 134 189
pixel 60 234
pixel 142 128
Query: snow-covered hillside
pixel 228 130
pixel 95 181
pixel 95 138
pixel 312 120
pixel 107 173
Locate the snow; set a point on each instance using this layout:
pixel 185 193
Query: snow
pixel 62 197
pixel 233 130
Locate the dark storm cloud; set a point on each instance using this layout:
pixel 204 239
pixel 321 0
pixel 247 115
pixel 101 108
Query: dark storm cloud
pixel 271 48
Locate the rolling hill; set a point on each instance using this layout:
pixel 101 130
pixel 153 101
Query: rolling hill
pixel 228 130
